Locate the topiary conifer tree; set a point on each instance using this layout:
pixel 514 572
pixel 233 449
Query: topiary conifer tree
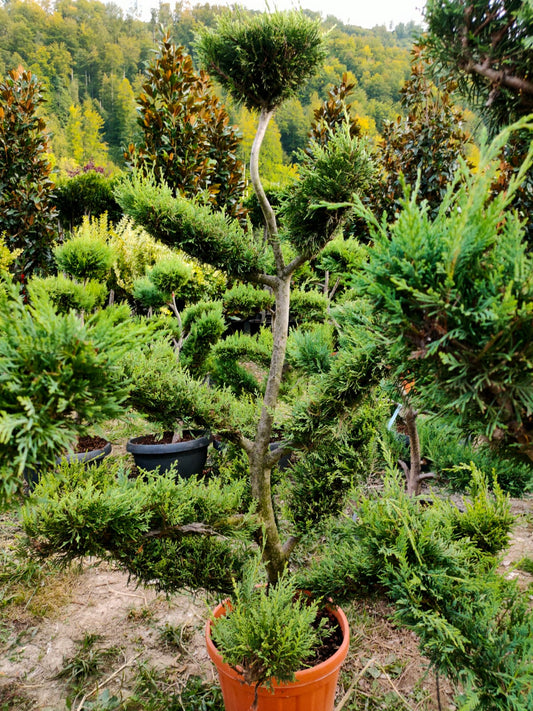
pixel 276 53
pixel 261 61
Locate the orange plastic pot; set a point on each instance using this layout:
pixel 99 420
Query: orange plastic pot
pixel 313 690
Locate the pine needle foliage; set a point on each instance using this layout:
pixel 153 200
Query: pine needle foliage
pixel 263 59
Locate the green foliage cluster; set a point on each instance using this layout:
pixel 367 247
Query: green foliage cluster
pixel 204 325
pixel 87 193
pixel 58 375
pixel 205 235
pixel 66 294
pixel 308 307
pixel 310 351
pixel 84 257
pixel 453 300
pixel 163 282
pixel 261 62
pixel 168 394
pixel 318 203
pixel 187 140
pixel 486 521
pixel 26 211
pixel 85 260
pixel 231 360
pixel 269 632
pixel 472 623
pixel 245 300
pixel 320 480
pixel 182 533
pixel 353 372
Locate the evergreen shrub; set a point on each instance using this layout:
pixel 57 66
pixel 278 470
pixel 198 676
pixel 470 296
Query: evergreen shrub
pixel 86 194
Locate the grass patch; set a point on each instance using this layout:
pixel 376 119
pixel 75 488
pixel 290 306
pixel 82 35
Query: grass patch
pixel 155 691
pixel 526 565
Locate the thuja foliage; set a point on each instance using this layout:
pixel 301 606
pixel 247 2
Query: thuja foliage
pixel 67 294
pixel 57 376
pixel 277 53
pixel 270 629
pixel 84 257
pixel 164 530
pixel 310 350
pixel 187 140
pixel 26 211
pixel 453 297
pixel 472 624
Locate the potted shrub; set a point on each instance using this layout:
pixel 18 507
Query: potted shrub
pixel 198 544
pixel 294 661
pixel 174 442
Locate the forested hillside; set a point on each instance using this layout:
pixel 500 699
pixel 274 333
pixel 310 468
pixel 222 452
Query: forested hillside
pixel 90 58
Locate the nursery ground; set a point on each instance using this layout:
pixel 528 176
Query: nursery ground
pixel 57 625
pixel 89 638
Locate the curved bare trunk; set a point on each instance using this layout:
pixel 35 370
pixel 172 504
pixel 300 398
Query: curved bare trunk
pixel 274 553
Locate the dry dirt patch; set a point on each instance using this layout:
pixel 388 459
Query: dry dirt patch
pixel 124 617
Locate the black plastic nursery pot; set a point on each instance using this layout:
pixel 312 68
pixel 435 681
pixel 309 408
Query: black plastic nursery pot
pixel 89 458
pixel 190 456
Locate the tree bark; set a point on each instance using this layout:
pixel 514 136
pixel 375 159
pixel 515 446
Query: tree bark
pixel 275 555
pixel 413 473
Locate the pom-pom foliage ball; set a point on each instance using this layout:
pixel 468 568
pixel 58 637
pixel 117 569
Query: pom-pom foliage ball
pixel 262 60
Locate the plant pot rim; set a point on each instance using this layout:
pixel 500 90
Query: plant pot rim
pixel 136 447
pixel 303 676
pixel 87 455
